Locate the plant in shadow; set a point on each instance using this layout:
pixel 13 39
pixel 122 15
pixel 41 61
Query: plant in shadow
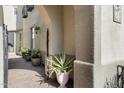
pixel 26 53
pixel 36 57
pixel 61 65
pixel 111 82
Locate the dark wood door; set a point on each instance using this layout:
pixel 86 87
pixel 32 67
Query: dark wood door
pixel 47 42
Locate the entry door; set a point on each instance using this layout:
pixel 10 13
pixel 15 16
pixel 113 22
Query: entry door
pixel 11 42
pixel 47 44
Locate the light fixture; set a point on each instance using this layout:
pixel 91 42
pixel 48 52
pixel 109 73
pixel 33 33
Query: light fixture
pixel 24 12
pixel 37 29
pixel 29 7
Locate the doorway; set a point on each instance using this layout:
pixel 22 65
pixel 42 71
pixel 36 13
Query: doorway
pixel 47 43
pixel 11 42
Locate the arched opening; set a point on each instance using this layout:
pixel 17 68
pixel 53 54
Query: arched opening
pixel 43 42
pixel 32 39
pixel 60 30
pixel 47 44
pixel 51 37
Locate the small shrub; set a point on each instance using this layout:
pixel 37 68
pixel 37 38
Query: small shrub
pixel 36 54
pixel 25 52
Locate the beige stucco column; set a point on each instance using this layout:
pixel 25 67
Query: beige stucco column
pixel 83 65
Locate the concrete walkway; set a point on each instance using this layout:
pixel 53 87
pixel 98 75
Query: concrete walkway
pixel 22 74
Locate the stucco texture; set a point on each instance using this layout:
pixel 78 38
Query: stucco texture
pixel 109 45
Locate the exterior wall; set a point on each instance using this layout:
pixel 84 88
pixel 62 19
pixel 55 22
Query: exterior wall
pixel 69 30
pixel 97 45
pixel 45 24
pixel 40 16
pixel 19 29
pixel 83 74
pixel 56 28
pixel 9 17
pixel 111 37
pixel 84 33
pixel 83 65
pixel 111 45
pixel 34 17
pixel 19 21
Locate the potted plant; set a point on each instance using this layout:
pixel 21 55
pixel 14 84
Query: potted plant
pixel 36 57
pixel 23 52
pixel 62 65
pixel 26 54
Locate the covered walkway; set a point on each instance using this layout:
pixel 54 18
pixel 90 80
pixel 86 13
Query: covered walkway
pixel 22 74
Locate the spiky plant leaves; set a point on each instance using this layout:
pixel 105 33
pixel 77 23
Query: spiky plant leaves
pixel 61 63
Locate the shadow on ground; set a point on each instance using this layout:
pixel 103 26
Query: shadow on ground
pixel 38 72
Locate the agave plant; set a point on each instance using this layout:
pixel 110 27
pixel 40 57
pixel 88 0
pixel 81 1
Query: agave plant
pixel 61 63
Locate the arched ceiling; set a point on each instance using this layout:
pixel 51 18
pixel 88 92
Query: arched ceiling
pixel 43 11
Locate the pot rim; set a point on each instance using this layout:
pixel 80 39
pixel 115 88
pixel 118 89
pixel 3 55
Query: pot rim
pixel 63 72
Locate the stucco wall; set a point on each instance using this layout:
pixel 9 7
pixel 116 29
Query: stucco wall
pixel 69 30
pixel 12 17
pixel 110 47
pixel 47 17
pixel 83 74
pixel 34 17
pixel 112 39
pixel 56 28
pixel 19 21
pixel 9 17
pixel 84 33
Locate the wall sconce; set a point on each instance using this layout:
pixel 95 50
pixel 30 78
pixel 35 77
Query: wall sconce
pixel 24 12
pixel 29 7
pixel 37 29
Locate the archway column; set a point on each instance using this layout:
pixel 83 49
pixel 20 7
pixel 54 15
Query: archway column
pixel 83 65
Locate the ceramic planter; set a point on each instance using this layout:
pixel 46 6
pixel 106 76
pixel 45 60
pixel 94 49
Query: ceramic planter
pixel 62 79
pixel 36 61
pixel 28 58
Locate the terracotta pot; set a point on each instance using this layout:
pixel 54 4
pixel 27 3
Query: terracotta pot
pixel 36 61
pixel 62 79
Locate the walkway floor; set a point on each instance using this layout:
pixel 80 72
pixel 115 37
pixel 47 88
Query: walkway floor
pixel 22 74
